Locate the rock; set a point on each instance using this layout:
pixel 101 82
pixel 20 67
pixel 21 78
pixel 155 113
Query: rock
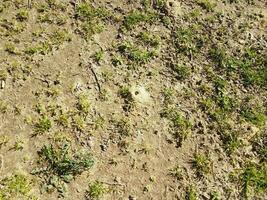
pixel 2 84
pixel 140 94
pixel 173 7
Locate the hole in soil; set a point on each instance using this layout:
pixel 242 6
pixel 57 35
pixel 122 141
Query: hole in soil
pixel 171 4
pixel 136 93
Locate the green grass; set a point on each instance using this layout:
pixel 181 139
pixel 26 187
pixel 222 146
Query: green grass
pixel 17 186
pixel 59 165
pixel 96 190
pixel 253 116
pixel 22 15
pixel 180 125
pixel 182 72
pixel 136 54
pixel 43 125
pixel 135 17
pixel 254 177
pixel 202 164
pixel 187 41
pixel 84 104
pixel 207 5
pixel 191 194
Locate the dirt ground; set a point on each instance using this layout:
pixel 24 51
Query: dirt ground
pixel 167 98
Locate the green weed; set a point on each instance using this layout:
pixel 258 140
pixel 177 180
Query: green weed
pixel 254 177
pixel 202 164
pixel 96 190
pixel 43 126
pixel 59 165
pixel 135 17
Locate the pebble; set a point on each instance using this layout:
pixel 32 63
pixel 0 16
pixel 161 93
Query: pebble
pixel 2 84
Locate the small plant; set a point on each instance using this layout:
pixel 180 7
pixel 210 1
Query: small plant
pixel 22 15
pixel 231 142
pixel 123 127
pixel 98 56
pixel 177 172
pixel 181 126
pixel 96 190
pixel 17 186
pixel 191 194
pixel 135 17
pixel 43 126
pixel 207 5
pixel 187 42
pixel 182 72
pixel 84 104
pixel 59 165
pixel 202 164
pixel 255 117
pixel 254 177
pixel 149 39
pixel 135 54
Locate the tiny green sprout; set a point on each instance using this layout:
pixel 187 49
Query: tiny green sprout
pixel 18 146
pixel 22 15
pixel 231 142
pixel 98 56
pixel 96 190
pixel 177 172
pixel 214 195
pixel 202 164
pixel 43 126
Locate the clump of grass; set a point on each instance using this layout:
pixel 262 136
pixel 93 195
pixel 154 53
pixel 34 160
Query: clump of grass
pixel 59 165
pixel 22 15
pixel 207 4
pixel 91 18
pixel 182 72
pixel 43 125
pixel 253 116
pixel 84 104
pixel 177 172
pixel 135 54
pixel 202 164
pixel 149 39
pixel 254 178
pixel 96 190
pixel 191 194
pixel 135 17
pixel 181 127
pixel 186 41
pixel 17 186
pixel 98 56
pixel 123 127
pixel 231 142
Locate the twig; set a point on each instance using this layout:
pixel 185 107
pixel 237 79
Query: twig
pixel 96 79
pixel 29 4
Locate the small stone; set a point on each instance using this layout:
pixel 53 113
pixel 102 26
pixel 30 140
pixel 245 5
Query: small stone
pixel 2 84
